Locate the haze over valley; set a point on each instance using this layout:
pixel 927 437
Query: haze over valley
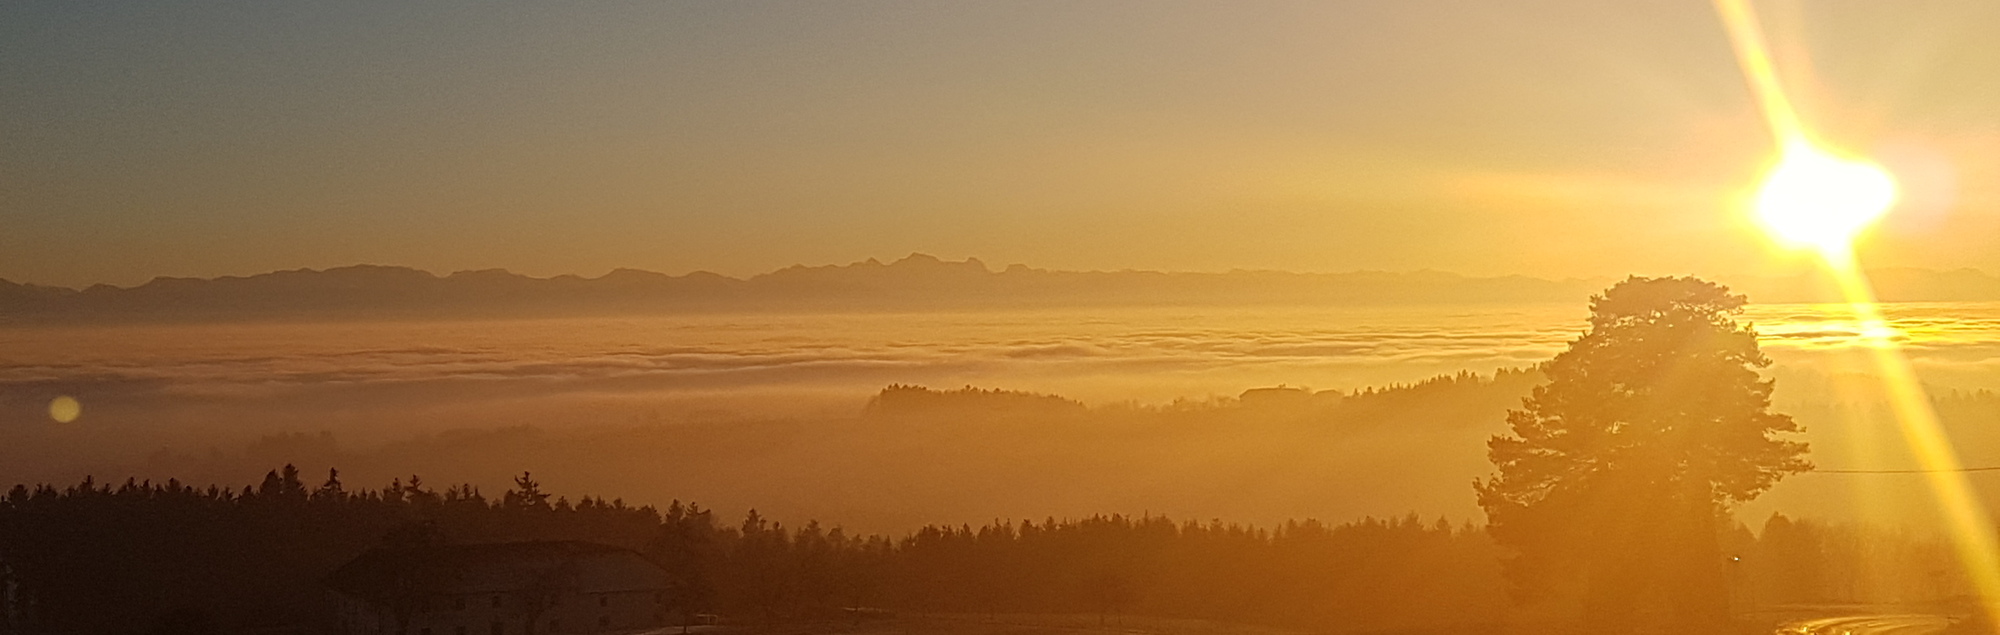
pixel 758 394
pixel 905 317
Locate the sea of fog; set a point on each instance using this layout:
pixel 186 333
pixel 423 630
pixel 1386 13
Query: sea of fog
pixel 760 410
pixel 366 378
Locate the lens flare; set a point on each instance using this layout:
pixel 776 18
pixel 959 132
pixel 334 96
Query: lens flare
pixel 1812 198
pixel 65 409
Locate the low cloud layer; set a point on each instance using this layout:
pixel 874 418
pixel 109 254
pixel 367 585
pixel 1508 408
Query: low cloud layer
pixel 1153 355
pixel 697 405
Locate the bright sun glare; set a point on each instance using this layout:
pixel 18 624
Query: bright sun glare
pixel 1812 198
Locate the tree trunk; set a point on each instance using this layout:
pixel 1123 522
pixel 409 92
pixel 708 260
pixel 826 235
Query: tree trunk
pixel 1700 580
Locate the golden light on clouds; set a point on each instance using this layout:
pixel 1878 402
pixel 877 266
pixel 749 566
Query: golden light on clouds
pixel 65 409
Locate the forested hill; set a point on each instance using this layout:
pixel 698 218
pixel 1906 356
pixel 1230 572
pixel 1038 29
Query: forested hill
pixel 172 558
pixel 137 556
pixel 917 455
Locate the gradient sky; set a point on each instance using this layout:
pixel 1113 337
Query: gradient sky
pixel 1566 138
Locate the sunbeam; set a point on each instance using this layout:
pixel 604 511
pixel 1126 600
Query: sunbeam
pixel 1813 197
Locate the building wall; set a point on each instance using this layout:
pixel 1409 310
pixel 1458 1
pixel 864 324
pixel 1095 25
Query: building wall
pixel 600 612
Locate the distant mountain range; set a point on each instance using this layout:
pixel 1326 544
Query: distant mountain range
pixel 916 282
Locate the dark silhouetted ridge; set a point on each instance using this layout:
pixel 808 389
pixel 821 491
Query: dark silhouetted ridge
pixel 916 282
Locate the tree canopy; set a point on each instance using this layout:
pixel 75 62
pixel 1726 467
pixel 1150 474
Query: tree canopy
pixel 1618 471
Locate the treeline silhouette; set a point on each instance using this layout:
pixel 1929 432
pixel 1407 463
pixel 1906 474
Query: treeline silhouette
pixel 1802 561
pixel 117 558
pixel 97 557
pixel 138 556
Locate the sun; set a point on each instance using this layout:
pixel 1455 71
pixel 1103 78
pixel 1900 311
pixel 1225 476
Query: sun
pixel 1812 198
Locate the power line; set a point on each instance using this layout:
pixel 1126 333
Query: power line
pixel 1986 468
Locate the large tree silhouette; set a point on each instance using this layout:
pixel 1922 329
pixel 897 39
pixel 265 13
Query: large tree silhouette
pixel 1619 468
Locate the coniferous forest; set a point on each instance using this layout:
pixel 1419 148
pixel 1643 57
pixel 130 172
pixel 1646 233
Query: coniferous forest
pixel 131 556
pixel 170 557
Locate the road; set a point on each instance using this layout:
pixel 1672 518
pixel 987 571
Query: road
pixel 1869 625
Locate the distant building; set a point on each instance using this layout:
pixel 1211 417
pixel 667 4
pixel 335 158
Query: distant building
pixel 523 588
pixel 1279 397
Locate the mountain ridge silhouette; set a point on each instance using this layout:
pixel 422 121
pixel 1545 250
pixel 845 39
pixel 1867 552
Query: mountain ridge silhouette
pixel 916 282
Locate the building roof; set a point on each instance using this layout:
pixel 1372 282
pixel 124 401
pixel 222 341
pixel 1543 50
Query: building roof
pixel 387 573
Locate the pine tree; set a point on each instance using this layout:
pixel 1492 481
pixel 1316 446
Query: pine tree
pixel 527 494
pixel 1618 470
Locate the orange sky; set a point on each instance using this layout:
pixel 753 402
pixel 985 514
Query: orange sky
pixel 1546 138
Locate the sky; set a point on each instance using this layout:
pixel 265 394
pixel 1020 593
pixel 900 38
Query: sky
pixel 1554 138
